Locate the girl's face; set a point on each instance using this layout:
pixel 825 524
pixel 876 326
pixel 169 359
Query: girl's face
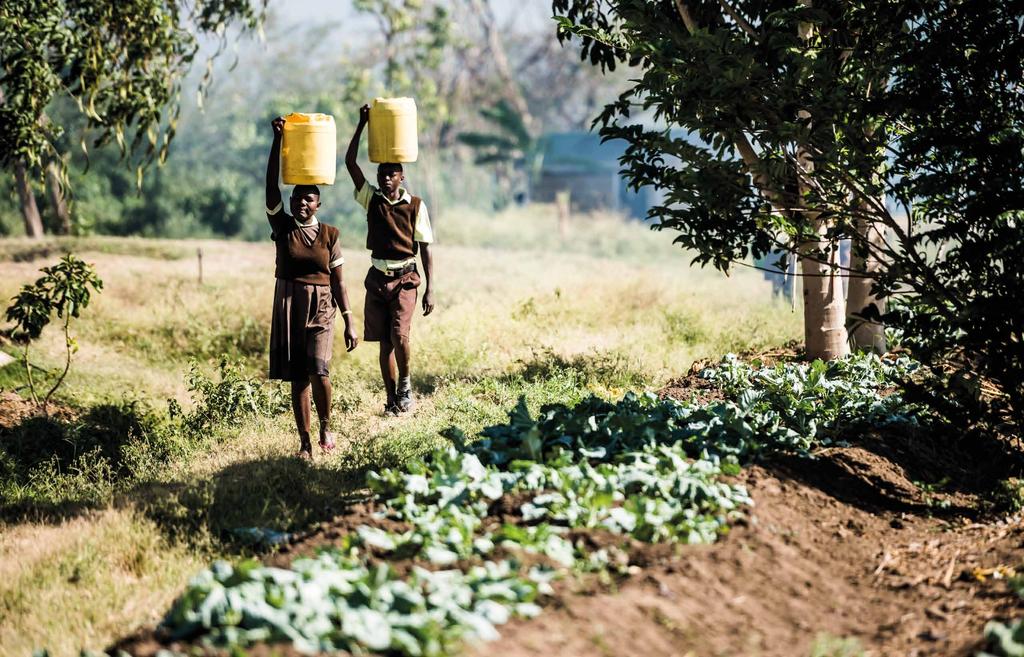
pixel 304 206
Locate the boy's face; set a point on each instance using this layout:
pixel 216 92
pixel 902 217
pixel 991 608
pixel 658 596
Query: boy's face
pixel 389 179
pixel 304 204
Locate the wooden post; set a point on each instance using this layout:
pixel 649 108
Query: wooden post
pixel 199 255
pixel 562 204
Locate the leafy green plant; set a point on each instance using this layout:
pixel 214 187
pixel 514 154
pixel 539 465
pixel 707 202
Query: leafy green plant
pixel 929 493
pixel 1004 639
pixel 1008 495
pixel 65 289
pixel 642 468
pixel 337 601
pixel 1016 584
pixel 232 396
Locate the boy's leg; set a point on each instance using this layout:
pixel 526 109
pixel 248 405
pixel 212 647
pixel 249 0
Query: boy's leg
pixel 403 387
pixel 403 352
pixel 403 307
pixel 388 368
pixel 300 407
pixel 322 399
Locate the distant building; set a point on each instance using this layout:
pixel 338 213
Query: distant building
pixel 589 170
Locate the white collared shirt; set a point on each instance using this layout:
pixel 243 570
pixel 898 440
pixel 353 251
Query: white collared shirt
pixel 422 233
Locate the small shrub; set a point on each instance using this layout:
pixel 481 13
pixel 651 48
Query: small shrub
pixel 608 369
pixel 65 289
pixel 85 458
pixel 682 328
pixel 234 396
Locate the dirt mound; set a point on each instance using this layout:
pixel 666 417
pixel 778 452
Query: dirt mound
pixel 805 563
pixel 15 409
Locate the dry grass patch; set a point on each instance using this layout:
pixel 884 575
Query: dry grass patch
pixel 75 585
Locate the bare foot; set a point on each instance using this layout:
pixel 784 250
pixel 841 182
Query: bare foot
pixel 305 448
pixel 327 443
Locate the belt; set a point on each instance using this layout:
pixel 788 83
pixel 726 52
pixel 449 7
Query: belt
pixel 399 271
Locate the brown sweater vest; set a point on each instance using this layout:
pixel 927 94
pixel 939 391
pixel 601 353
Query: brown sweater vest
pixel 390 228
pixel 309 265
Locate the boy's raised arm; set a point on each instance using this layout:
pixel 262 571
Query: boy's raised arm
pixel 358 179
pixel 274 165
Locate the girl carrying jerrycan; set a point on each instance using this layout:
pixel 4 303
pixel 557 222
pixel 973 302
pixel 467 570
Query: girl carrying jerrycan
pixel 309 283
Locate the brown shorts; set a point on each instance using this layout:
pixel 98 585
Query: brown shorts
pixel 390 304
pixel 301 331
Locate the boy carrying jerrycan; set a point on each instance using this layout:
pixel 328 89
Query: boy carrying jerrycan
pixel 397 228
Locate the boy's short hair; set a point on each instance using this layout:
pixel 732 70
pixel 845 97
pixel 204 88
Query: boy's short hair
pixel 396 166
pixel 302 190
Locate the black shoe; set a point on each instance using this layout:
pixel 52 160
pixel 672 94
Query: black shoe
pixel 391 408
pixel 404 399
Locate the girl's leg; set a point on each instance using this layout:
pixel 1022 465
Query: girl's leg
pixel 300 407
pixel 322 399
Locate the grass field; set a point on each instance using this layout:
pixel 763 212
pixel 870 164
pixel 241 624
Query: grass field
pixel 88 553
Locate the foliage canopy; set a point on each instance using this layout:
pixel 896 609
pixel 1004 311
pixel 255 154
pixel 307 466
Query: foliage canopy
pixel 899 124
pixel 121 61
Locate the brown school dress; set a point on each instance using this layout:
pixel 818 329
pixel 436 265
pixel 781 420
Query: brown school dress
pixel 302 323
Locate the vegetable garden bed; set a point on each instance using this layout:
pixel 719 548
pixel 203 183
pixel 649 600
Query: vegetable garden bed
pixel 457 544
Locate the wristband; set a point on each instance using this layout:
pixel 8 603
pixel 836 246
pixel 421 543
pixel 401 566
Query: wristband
pixel 346 312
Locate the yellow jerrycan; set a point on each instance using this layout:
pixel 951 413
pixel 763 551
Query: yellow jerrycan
pixel 309 149
pixel 393 130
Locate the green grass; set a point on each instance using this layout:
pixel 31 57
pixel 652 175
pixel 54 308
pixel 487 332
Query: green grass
pixel 519 314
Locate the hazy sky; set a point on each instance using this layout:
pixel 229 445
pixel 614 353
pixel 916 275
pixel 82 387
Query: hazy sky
pixel 525 14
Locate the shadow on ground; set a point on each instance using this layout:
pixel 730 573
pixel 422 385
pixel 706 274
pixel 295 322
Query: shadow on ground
pixel 284 494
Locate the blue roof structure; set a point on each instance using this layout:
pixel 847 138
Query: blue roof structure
pixel 581 152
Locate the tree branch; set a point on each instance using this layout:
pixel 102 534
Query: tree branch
pixel 684 13
pixel 740 21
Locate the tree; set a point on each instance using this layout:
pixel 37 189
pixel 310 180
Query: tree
pixel 121 62
pixel 761 87
pixel 813 123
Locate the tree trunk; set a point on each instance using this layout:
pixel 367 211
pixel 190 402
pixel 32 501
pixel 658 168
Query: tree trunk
pixel 866 335
pixel 29 209
pixel 824 301
pixel 824 306
pixel 59 205
pixel 496 52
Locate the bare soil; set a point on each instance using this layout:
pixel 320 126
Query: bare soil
pixel 887 540
pixel 805 563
